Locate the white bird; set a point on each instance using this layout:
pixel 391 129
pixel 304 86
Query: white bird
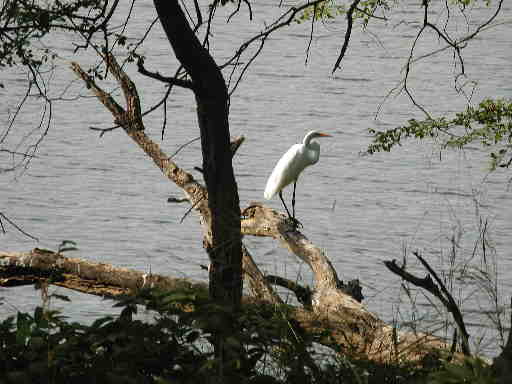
pixel 291 164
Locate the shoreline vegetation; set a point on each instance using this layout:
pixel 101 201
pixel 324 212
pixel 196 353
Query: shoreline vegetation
pixel 317 344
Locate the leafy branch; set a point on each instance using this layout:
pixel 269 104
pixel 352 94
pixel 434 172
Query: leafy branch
pixel 489 124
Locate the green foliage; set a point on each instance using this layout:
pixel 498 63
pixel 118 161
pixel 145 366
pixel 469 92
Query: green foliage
pixel 472 370
pixel 488 125
pixel 177 347
pixel 23 21
pixel 327 9
pixel 465 3
pixel 45 349
pixel 330 9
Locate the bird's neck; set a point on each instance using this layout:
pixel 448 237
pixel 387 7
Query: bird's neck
pixel 307 139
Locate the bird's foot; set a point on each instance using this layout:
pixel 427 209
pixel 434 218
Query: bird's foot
pixel 294 222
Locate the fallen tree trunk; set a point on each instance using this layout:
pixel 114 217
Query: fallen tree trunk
pixel 89 277
pixel 22 268
pixel 353 329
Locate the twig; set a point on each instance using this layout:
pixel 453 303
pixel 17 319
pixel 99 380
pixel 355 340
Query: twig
pixel 303 294
pixel 453 307
pixel 183 146
pixel 238 10
pixel 350 21
pixel 310 34
pixel 15 226
pixel 192 207
pixel 104 130
pixel 172 199
pixel 164 79
pixel 443 295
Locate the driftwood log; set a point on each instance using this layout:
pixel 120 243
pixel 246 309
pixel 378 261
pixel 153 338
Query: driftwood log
pixel 352 327
pixel 327 306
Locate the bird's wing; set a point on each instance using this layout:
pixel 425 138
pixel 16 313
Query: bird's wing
pixel 286 170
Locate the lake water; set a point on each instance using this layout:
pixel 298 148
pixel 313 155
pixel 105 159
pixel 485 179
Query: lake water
pixel 105 195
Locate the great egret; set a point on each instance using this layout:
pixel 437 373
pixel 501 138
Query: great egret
pixel 291 164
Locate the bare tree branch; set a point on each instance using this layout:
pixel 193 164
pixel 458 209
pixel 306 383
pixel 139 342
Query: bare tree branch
pixel 303 294
pixel 350 21
pixel 238 10
pixel 282 21
pixel 164 79
pixel 17 227
pixel 442 294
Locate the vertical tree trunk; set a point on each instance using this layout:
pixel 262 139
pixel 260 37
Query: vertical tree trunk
pixel 223 244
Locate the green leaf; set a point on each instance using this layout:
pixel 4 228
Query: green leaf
pixel 488 125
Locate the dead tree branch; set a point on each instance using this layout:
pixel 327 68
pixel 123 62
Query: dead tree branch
pixel 441 292
pixel 93 278
pixel 131 121
pixel 303 294
pixel 262 221
pixel 164 79
pixel 351 330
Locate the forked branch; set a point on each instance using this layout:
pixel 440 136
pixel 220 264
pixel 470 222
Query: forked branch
pixel 441 292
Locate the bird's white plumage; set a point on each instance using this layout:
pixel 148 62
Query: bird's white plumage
pixel 292 163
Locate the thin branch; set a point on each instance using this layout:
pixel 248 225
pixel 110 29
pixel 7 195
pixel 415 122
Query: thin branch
pixel 15 153
pixel 199 15
pixel 235 144
pixel 142 39
pixel 303 294
pixel 15 226
pixel 456 44
pixel 192 207
pixel 452 44
pixel 407 70
pixel 371 15
pixel 282 21
pixel 238 10
pixel 164 79
pixel 350 21
pixel 442 294
pixel 246 66
pixel 105 130
pixel 183 146
pixel 172 199
pixel 453 308
pixel 16 113
pixel 310 34
pixel 213 8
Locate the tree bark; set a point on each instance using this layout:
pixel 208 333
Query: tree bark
pixel 503 363
pixel 224 244
pixel 327 295
pixel 84 276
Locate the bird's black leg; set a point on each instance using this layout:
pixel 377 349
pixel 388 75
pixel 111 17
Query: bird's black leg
pixel 281 197
pixel 296 223
pixel 293 198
